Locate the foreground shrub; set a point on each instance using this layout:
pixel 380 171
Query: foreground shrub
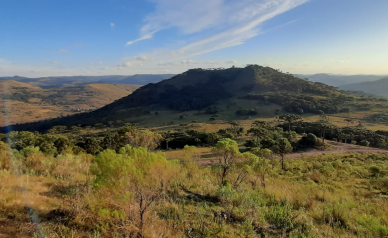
pixel 136 177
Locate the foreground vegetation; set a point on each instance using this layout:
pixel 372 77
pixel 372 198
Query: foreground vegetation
pixel 133 190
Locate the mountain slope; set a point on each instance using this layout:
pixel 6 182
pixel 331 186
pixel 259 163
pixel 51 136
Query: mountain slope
pixel 231 93
pixel 23 102
pixel 379 87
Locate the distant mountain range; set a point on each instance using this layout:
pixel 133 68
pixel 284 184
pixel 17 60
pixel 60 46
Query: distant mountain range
pixel 378 87
pixel 63 81
pixel 339 80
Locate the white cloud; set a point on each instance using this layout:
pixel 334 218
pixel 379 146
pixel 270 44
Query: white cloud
pixel 226 23
pixel 112 24
pixel 63 50
pixel 144 37
pixel 231 62
pixel 197 15
pixel 125 65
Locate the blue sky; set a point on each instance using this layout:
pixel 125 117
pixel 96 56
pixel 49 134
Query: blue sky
pixel 117 37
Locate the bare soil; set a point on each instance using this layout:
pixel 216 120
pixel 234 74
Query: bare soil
pixel 336 148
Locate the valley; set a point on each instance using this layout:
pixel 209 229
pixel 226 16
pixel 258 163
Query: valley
pixel 23 102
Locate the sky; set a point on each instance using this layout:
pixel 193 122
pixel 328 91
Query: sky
pixel 124 37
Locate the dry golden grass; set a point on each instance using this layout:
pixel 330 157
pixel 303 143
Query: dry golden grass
pixel 21 112
pixel 26 190
pixel 91 96
pixel 182 154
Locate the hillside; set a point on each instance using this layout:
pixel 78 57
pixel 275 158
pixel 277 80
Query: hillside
pixel 378 87
pixel 23 102
pixel 65 81
pixel 339 80
pixel 224 94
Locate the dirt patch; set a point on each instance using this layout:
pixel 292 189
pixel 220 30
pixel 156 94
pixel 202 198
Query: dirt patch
pixel 339 148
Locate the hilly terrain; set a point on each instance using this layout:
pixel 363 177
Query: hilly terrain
pixel 23 102
pixel 339 80
pixel 205 166
pixel 225 94
pixel 378 87
pixel 65 81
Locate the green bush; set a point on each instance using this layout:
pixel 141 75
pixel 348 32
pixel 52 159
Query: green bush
pixel 373 225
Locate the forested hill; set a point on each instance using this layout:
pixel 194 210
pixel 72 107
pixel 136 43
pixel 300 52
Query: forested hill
pixel 201 89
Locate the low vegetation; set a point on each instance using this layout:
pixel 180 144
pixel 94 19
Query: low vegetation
pixel 118 183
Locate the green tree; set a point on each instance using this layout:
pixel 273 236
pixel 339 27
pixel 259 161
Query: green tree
pixel 57 130
pixel 324 126
pixel 227 152
pixel 262 166
pixel 91 145
pixel 62 144
pixel 145 139
pixel 144 175
pixel 289 119
pixel 282 148
pixel 259 128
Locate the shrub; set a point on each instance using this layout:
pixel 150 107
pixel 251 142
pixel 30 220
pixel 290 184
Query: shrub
pixel 373 224
pixel 281 216
pixel 5 156
pixel 364 143
pixel 375 171
pixel 335 216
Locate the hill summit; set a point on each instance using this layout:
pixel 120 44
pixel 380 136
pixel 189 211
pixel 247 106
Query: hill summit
pixel 211 90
